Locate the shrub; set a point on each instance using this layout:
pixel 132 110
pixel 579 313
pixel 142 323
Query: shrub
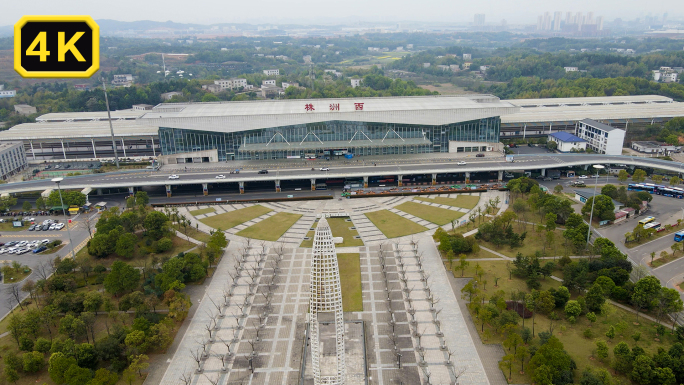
pixel 588 333
pixel 164 244
pixel 573 309
pixel 33 361
pixel 25 344
pixel 42 345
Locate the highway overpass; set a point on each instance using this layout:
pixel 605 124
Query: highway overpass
pixel 486 169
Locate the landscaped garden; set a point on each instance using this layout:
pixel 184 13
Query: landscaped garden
pixel 393 225
pixel 233 218
pixel 339 228
pixel 197 212
pixel 271 228
pixel 432 214
pixel 462 201
pixel 350 280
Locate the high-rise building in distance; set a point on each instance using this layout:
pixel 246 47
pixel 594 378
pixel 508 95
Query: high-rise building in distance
pixel 479 19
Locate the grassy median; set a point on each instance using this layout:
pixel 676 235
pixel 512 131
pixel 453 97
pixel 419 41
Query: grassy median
pixel 432 214
pixel 462 201
pixel 271 228
pixel 233 218
pixel 393 225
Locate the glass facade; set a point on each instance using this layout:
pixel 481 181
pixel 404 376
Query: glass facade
pixel 329 138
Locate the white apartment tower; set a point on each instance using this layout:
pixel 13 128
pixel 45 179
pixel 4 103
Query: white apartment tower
pixel 600 137
pixel 326 297
pixel 557 20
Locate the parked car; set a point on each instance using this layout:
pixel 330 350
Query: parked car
pixel 39 249
pixel 263 172
pixel 547 179
pixel 46 227
pixel 59 226
pixel 583 177
pixel 32 227
pixel 479 156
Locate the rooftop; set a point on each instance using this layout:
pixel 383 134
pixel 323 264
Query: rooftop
pixel 599 125
pixel 88 116
pixel 90 129
pixel 588 193
pixel 566 137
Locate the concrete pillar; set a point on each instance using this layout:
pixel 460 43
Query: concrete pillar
pixel 467 175
pixel 500 175
pixel 205 188
pixel 123 146
pixel 168 191
pixel 242 187
pixel 277 184
pixel 365 182
pixel 93 142
pixel 543 172
pixel 399 178
pixel 434 179
pixel 131 191
pixel 586 167
pixel 32 151
pixel 63 150
pixel 99 191
pixel 154 152
pixel 313 184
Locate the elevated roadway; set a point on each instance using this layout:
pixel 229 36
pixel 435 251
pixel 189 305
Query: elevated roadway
pixel 141 179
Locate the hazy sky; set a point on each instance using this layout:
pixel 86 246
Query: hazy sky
pixel 307 12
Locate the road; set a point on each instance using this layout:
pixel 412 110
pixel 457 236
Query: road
pixel 297 172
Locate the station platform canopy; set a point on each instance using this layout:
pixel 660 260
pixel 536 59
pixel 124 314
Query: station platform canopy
pixel 276 146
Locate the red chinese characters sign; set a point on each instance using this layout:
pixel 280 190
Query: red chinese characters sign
pixel 334 106
pixel 358 106
pixel 309 107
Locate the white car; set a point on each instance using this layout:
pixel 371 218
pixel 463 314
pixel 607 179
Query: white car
pixel 461 163
pixel 325 168
pixel 53 226
pixel 174 176
pixel 220 177
pixel 595 176
pixel 45 241
pixel 59 226
pixel 583 177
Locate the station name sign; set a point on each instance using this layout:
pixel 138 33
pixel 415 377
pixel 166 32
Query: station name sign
pixel 309 107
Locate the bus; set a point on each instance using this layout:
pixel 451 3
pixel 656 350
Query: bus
pixel 646 220
pixel 648 187
pixel 679 236
pixel 654 225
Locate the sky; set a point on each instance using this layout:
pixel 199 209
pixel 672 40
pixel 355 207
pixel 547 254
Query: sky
pixel 333 11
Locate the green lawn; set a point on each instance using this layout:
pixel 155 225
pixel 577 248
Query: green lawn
pixel 339 228
pixel 14 276
pixel 271 228
pixel 669 230
pixel 194 234
pixel 661 261
pixel 432 214
pixel 7 226
pixel 393 225
pixel 350 279
pixel 463 201
pixel 533 243
pixel 231 219
pixel 202 211
pixel 179 245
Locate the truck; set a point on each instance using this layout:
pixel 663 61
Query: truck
pixel 509 158
pixel 554 174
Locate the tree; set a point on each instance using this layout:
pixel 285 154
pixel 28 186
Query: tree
pixel 573 309
pixel 156 224
pixel 122 278
pixel 139 363
pixel 11 374
pixel 611 332
pixel 93 301
pixel 462 263
pixel 70 198
pixel 674 181
pixel 125 245
pixel 601 350
pixel 622 176
pixel 77 375
pixel 623 356
pixel 638 176
pixel 58 365
pixel 40 203
pixel 595 298
pixel 104 377
pixel 26 206
pixel 7 202
pixel 645 293
pixel 558 189
pixel 141 198
pixel 603 207
pixel 642 371
pixel 609 190
pixel 33 361
pixel 506 363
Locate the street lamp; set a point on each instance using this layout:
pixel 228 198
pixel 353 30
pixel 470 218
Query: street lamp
pixel 71 244
pixel 593 200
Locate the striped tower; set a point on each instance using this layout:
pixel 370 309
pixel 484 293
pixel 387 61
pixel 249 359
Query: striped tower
pixel 326 296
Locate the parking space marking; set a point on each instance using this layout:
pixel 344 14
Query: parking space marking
pixel 31 235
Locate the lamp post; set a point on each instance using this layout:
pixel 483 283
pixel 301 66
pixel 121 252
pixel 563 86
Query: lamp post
pixel 71 244
pixel 593 200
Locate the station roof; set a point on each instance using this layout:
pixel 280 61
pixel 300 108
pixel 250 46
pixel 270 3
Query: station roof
pixel 251 115
pixel 71 130
pixel 566 137
pixel 590 100
pixel 599 125
pixel 89 116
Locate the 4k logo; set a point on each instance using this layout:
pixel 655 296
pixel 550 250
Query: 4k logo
pixel 56 47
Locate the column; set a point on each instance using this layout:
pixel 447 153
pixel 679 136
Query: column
pixel 93 142
pixel 63 150
pixel 500 175
pixel 543 172
pixel 205 188
pixel 131 191
pixel 154 152
pixel 99 191
pixel 277 184
pixel 123 146
pixel 399 178
pixel 467 175
pixel 32 151
pixel 168 191
pixel 313 184
pixel 365 182
pixel 242 187
pixel 434 179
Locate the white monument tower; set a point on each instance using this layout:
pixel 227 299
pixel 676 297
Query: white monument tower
pixel 326 296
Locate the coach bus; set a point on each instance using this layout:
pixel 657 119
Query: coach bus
pixel 646 220
pixel 654 225
pixel 650 188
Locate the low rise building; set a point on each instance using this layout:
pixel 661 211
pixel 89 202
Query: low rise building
pixel 12 159
pixel 268 91
pixel 7 93
pixel 81 87
pixel 169 95
pixel 566 142
pixel 355 83
pixel 571 69
pixel 650 147
pixel 213 88
pixel 601 138
pixel 584 194
pixel 272 72
pixel 142 107
pixel 426 65
pixel 467 56
pixel 122 80
pixel 231 84
pixel 270 82
pixel 288 84
pixel 24 109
